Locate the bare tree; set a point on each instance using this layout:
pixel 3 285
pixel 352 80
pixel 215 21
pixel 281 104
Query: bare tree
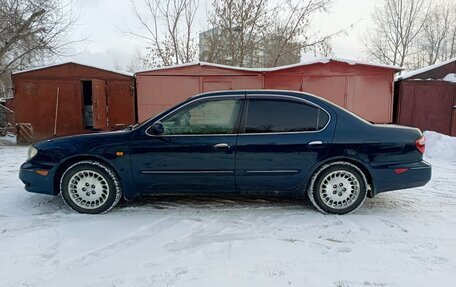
pixel 293 32
pixel 32 32
pixel 281 48
pixel 238 27
pixel 437 42
pixel 251 33
pixel 137 62
pixel 440 33
pixel 168 30
pixel 397 26
pixel 434 34
pixel 449 51
pixel 450 48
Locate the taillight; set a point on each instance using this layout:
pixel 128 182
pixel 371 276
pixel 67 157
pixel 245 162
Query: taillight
pixel 420 144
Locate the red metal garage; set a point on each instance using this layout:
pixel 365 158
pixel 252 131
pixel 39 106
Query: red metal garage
pixel 161 88
pixel 72 98
pixel 426 98
pixel 366 89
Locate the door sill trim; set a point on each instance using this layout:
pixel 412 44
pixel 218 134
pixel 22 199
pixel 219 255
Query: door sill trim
pixel 273 171
pixel 185 171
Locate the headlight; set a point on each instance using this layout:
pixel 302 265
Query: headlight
pixel 32 152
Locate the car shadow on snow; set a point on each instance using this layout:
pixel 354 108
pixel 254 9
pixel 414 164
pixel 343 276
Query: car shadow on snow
pixel 380 205
pixel 35 204
pixel 212 202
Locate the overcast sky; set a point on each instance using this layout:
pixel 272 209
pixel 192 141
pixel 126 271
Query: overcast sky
pixel 102 23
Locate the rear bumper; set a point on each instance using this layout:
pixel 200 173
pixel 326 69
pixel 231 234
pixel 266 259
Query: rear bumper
pixel 35 182
pixel 416 174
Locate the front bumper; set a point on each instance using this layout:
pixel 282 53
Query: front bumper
pixel 416 174
pixel 35 182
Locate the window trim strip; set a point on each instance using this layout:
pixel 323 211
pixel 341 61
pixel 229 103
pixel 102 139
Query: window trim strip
pixel 246 98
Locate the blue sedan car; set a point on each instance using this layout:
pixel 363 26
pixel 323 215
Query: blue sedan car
pixel 251 143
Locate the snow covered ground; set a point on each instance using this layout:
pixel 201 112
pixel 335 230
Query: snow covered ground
pixel 403 238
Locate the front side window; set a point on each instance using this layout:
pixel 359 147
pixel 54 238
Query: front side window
pixel 208 117
pixel 274 115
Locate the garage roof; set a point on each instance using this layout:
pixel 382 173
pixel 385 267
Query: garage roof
pixel 324 60
pixel 77 63
pixel 423 70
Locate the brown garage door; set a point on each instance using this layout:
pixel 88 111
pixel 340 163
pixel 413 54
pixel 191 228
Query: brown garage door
pixel 428 105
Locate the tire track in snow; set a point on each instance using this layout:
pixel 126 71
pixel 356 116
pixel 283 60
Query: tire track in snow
pixel 71 265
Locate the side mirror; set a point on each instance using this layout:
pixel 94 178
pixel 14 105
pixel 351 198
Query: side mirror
pixel 157 128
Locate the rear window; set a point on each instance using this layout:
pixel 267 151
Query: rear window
pixel 274 115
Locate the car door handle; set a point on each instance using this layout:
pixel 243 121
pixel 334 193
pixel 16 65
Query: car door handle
pixel 314 143
pixel 222 146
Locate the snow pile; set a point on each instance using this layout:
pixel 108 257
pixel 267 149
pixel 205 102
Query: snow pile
pixel 9 139
pixel 440 146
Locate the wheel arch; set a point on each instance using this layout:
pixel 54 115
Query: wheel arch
pixel 359 164
pixel 66 163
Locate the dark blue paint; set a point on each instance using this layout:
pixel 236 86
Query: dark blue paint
pixel 260 164
pixel 192 163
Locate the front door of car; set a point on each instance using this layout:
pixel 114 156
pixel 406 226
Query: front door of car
pixel 195 152
pixel 281 138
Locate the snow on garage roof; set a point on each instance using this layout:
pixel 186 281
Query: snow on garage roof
pixel 423 70
pixel 77 63
pixel 324 60
pixel 451 77
pixel 198 64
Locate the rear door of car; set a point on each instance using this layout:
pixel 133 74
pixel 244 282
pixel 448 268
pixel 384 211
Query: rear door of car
pixel 280 139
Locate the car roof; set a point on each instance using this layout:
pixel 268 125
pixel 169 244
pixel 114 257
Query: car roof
pixel 319 101
pixel 298 94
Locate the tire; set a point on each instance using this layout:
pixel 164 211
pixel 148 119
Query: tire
pixel 338 188
pixel 90 187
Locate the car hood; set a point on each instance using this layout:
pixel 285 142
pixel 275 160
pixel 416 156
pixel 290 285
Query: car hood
pixel 84 137
pixel 86 144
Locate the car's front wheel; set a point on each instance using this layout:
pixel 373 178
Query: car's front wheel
pixel 338 188
pixel 90 187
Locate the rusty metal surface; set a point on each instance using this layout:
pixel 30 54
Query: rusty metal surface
pixel 100 116
pixel 121 103
pixel 35 103
pixel 71 71
pixel 427 105
pixel 35 99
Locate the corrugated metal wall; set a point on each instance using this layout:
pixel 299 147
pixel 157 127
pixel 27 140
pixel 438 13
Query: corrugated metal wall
pixel 358 88
pixel 365 90
pixel 428 105
pixel 162 89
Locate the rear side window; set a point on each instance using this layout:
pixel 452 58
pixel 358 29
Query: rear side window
pixel 275 115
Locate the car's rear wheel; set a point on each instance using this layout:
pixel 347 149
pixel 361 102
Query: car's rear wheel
pixel 338 188
pixel 90 187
